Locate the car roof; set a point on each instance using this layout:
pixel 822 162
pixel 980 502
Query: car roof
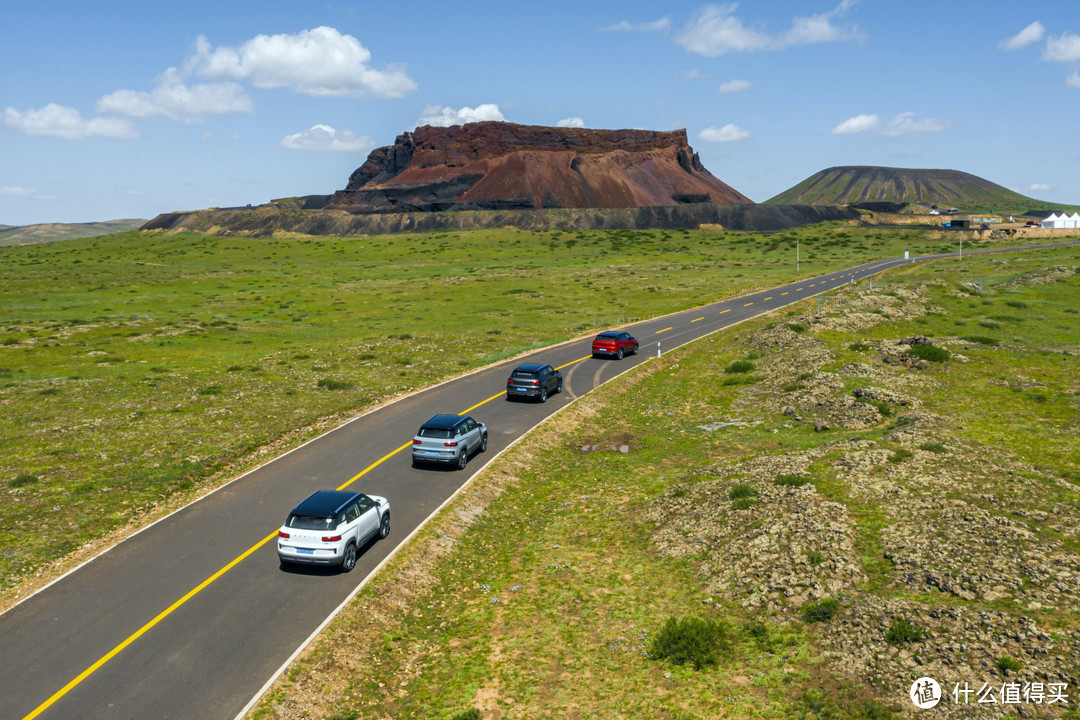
pixel 443 421
pixel 530 367
pixel 324 503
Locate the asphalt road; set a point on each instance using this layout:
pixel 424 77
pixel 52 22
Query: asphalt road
pixel 190 617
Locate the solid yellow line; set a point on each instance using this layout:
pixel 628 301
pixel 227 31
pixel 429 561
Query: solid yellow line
pixel 466 411
pixel 662 331
pixel 724 311
pixel 696 319
pixel 380 461
pixel 141 631
pixel 573 362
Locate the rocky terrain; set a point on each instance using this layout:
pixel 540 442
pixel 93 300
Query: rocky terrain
pixel 964 540
pixel 504 166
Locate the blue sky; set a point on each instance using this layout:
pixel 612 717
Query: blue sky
pixel 129 109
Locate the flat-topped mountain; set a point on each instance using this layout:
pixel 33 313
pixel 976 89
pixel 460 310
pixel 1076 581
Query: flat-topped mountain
pixel 505 166
pixel 944 188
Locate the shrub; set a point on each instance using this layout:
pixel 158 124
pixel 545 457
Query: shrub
pixel 796 327
pixel 899 455
pixel 743 503
pixel 691 641
pixel 1019 304
pixel 858 347
pixel 739 366
pixel 23 479
pixel 741 490
pixel 793 386
pixel 210 390
pixel 815 558
pixel 980 339
pixel 331 384
pixel 821 611
pixel 933 353
pixel 470 714
pixel 791 479
pixel 934 447
pixel 1006 663
pixel 903 631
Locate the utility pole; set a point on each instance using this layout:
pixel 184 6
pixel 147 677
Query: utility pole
pixel 796 256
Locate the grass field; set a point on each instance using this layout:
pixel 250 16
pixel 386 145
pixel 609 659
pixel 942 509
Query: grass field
pixel 760 495
pixel 137 370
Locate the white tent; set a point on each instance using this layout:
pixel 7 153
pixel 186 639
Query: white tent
pixel 1053 220
pixel 1073 220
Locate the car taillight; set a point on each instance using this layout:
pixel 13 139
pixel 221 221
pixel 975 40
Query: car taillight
pixel 510 381
pixel 282 533
pixel 331 538
pixel 415 442
pixel 450 444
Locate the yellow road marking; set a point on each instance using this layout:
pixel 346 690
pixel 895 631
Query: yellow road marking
pixel 696 319
pixel 748 304
pixel 724 311
pixel 662 331
pixel 573 362
pixel 207 582
pixel 768 298
pixel 798 289
pixel 783 294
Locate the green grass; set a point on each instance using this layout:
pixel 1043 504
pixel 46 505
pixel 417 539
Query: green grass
pixel 126 358
pixel 564 575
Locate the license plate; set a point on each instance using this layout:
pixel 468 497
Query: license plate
pixel 306 551
pixel 432 452
pixel 521 389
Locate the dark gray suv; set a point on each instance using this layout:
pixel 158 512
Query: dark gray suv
pixel 449 439
pixel 533 380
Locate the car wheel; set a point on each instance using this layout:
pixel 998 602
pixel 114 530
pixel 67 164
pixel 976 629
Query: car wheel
pixel 543 394
pixel 348 560
pixel 483 442
pixel 384 526
pixel 559 388
pixel 463 458
pixel 619 354
pixel 509 397
pixel 635 349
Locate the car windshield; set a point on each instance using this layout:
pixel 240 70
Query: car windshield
pixel 310 522
pixel 524 374
pixel 430 432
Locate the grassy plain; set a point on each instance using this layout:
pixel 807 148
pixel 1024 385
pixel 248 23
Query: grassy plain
pixel 139 369
pixel 541 591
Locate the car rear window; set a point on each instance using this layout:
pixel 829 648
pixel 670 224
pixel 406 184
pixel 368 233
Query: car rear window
pixel 607 337
pixel 435 432
pixel 524 374
pixel 310 522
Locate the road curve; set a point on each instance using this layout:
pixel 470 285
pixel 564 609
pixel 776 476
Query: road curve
pixel 190 617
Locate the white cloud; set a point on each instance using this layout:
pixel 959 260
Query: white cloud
pixel 319 62
pixel 17 192
pixel 447 116
pixel 1062 48
pixel 626 26
pixel 728 133
pixel 323 138
pixel 857 124
pixel 1073 80
pixel 715 30
pixel 574 122
pixel 173 100
pixel 66 123
pixel 1038 187
pixel 906 124
pixel 1033 33
pixel 735 86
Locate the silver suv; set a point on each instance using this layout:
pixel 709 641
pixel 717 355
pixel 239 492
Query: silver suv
pixel 330 526
pixel 449 439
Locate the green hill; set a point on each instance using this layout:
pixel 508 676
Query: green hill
pixel 50 232
pixel 944 188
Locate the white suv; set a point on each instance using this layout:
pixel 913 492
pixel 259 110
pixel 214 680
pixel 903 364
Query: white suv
pixel 330 526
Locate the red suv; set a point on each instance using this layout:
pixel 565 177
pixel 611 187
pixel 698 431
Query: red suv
pixel 614 342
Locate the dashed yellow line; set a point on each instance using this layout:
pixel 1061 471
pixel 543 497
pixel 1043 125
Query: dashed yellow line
pixel 748 304
pixel 724 311
pixel 783 294
pixel 768 298
pixel 662 331
pixel 696 319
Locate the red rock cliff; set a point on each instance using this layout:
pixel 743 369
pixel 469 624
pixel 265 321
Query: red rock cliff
pixel 498 165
